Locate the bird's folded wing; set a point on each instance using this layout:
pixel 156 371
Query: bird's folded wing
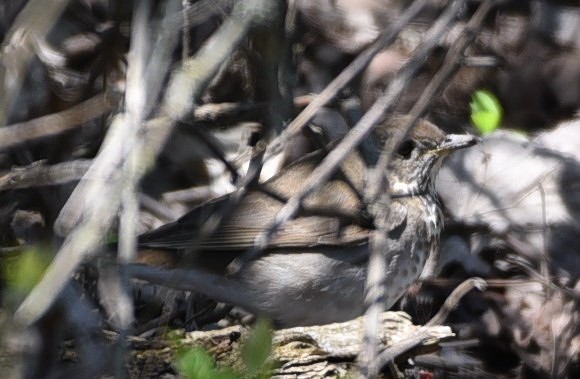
pixel 242 225
pixel 303 232
pixel 331 216
pixel 240 234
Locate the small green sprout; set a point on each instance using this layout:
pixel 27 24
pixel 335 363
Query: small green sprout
pixel 486 111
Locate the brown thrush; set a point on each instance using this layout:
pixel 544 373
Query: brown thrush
pixel 314 269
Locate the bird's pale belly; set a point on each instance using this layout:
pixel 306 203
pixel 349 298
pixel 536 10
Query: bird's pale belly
pixel 294 289
pixel 297 291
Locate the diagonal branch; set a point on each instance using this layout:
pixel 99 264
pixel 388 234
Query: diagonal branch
pixel 55 123
pixel 354 137
pixel 84 219
pixel 356 66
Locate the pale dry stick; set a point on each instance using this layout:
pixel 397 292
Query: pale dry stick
pixel 504 283
pixel 90 218
pixel 157 208
pixel 232 112
pixel 216 219
pixel 190 195
pixel 113 288
pixel 378 200
pixel 186 39
pixel 216 111
pixel 376 186
pixel 188 81
pixel 452 62
pixel 268 16
pixel 544 261
pixel 453 300
pixel 421 337
pixel 120 307
pixel 33 21
pixel 55 123
pixel 123 305
pixel 136 97
pixel 424 335
pixel 97 214
pixel 40 174
pixel 161 56
pixel 356 66
pixel 267 12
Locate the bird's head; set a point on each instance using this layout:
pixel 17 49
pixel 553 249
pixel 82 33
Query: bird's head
pixel 416 162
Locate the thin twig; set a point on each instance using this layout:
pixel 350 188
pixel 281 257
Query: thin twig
pixel 423 336
pixel 450 65
pixel 221 113
pixel 214 286
pixel 377 198
pixel 544 259
pixel 157 208
pixel 185 30
pixel 356 66
pixel 453 300
pixel 213 145
pixel 201 11
pixel 216 219
pixel 190 195
pixel 55 123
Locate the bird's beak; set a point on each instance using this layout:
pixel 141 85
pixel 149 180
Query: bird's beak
pixel 457 141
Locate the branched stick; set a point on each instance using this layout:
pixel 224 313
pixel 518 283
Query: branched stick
pixel 356 66
pixel 453 300
pixel 423 336
pixel 91 219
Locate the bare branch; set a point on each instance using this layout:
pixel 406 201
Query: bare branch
pixel 92 218
pixel 378 200
pixel 56 123
pixel 39 174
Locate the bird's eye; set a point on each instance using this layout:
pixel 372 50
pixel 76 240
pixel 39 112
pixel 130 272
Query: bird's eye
pixel 405 149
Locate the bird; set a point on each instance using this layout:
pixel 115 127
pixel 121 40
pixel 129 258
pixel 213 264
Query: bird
pixel 314 269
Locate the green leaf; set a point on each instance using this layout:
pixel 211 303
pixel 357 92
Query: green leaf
pixel 486 111
pixel 257 348
pixel 23 274
pixel 199 364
